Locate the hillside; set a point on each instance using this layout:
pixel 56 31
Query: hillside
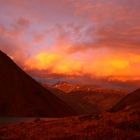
pixel 107 126
pixel 131 101
pixel 86 99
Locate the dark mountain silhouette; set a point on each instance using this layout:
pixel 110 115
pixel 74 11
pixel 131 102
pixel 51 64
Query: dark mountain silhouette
pixel 20 95
pixel 131 101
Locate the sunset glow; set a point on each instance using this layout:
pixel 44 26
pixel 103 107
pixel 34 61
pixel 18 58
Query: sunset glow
pixel 121 66
pixel 82 38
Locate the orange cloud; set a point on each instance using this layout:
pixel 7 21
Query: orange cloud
pixel 42 61
pixel 118 66
pixel 55 63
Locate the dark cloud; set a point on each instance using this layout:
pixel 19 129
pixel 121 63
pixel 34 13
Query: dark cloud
pixel 116 26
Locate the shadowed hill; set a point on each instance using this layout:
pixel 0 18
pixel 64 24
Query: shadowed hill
pixel 20 95
pixel 86 99
pixel 131 101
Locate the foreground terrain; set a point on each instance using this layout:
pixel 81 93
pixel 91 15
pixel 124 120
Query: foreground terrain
pixel 108 126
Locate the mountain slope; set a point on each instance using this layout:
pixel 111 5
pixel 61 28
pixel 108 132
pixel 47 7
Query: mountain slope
pixel 77 102
pixel 131 101
pixel 20 95
pixel 86 99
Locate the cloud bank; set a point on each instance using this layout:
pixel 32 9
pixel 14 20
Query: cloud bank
pixel 93 38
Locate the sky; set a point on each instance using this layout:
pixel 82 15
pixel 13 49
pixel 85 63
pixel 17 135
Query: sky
pixel 95 41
